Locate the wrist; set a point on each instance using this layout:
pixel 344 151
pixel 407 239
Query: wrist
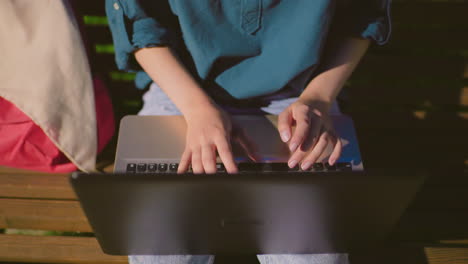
pixel 201 110
pixel 321 103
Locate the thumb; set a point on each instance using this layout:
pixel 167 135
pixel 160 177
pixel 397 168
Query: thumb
pixel 247 145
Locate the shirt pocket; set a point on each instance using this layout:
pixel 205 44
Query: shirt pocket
pixel 251 15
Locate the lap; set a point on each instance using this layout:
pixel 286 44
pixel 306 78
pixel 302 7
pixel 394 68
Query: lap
pixel 156 102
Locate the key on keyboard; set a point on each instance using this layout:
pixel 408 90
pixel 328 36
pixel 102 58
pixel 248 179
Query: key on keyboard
pixel 152 167
pixel 141 167
pixel 162 167
pixel 173 167
pixel 131 167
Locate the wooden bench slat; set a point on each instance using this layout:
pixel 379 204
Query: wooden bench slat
pixel 68 216
pixel 411 255
pixel 53 249
pixel 8 170
pixel 16 183
pixel 447 255
pixel 458 241
pixel 43 215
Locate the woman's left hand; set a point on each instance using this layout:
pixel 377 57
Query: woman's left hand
pixel 312 134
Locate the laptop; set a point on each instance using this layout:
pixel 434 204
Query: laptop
pixel 248 213
pixel 148 209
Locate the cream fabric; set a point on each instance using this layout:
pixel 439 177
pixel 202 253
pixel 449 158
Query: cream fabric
pixel 44 71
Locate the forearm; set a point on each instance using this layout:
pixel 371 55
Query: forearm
pixel 338 63
pixel 164 68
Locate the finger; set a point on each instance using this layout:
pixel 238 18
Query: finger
pixel 301 131
pixel 285 122
pixel 336 153
pixel 184 161
pixel 296 158
pixel 318 149
pixel 247 145
pixel 312 138
pixel 197 166
pixel 225 153
pixel 209 158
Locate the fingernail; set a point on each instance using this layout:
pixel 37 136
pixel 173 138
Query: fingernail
pixel 285 136
pixel 293 146
pixel 331 162
pixel 306 165
pixel 292 163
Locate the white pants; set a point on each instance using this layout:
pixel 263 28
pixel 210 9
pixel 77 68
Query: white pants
pixel 156 102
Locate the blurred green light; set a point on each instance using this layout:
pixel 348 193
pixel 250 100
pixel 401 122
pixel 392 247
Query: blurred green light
pixel 122 76
pixel 95 20
pixel 104 48
pixel 132 103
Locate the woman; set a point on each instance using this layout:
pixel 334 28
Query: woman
pixel 213 58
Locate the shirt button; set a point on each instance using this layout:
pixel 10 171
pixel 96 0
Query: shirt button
pixel 116 6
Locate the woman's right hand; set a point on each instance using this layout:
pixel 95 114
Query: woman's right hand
pixel 208 132
pixel 208 127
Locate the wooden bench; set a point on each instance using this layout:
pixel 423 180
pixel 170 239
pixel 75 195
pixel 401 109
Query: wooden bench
pixel 31 201
pixel 40 201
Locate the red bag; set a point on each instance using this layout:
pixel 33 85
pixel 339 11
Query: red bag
pixel 24 145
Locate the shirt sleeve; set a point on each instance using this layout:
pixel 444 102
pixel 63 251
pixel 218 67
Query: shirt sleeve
pixel 369 19
pixel 135 24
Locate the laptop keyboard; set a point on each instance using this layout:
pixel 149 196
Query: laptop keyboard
pixel 243 167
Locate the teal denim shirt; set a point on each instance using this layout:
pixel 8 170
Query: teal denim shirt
pixel 247 48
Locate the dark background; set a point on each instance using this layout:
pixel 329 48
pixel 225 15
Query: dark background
pixel 409 101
